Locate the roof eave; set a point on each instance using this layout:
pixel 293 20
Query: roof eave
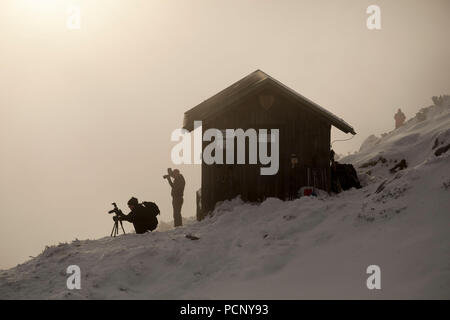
pixel 188 122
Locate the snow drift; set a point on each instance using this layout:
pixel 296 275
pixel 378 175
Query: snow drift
pixel 312 247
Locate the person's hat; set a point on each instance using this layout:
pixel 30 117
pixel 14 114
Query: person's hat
pixel 133 201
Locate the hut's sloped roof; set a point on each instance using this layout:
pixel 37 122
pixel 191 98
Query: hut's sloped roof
pixel 246 85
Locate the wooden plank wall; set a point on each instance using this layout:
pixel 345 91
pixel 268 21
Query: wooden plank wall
pixel 302 133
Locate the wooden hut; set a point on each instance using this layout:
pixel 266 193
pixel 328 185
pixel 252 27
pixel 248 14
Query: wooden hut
pixel 260 101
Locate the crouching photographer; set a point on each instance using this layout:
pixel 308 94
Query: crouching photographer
pixel 142 215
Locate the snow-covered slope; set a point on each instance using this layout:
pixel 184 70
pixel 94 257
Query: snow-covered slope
pixel 416 141
pixel 313 247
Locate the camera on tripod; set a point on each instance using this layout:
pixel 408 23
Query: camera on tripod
pixel 116 210
pixel 116 218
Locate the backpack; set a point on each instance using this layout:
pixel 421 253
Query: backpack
pixel 151 207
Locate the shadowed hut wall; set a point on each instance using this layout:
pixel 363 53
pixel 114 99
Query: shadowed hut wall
pixel 302 132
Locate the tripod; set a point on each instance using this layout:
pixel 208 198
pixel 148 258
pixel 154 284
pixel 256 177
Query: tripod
pixel 115 229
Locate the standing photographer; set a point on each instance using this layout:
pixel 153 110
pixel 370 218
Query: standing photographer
pixel 177 192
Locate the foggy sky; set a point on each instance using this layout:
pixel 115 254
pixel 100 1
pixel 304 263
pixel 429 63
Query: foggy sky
pixel 86 115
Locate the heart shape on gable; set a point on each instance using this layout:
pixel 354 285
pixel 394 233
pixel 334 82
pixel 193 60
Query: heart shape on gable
pixel 266 101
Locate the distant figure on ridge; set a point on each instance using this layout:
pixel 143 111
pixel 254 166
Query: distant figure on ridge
pixel 177 192
pixel 399 118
